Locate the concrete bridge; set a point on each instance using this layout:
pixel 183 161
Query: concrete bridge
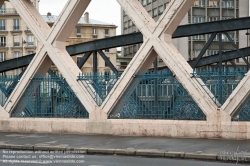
pixel 190 109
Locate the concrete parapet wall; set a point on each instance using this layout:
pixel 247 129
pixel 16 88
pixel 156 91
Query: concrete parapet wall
pixel 166 128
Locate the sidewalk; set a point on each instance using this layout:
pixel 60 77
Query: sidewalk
pixel 207 149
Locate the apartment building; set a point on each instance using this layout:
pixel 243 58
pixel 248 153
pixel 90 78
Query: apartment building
pixel 201 11
pixel 16 39
pixel 88 30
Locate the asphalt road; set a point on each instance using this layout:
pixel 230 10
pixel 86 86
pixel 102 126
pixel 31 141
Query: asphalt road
pixel 96 160
pixel 214 146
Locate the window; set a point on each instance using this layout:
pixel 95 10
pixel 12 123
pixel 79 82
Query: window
pixel 198 19
pixel 126 50
pixel 78 32
pixel 30 52
pixel 228 4
pixel 149 1
pixel 199 37
pixel 130 23
pixel 94 32
pixel 3 9
pixel 2 56
pixel 16 54
pixel 106 50
pixel 212 52
pixel 2 25
pixel 16 41
pixel 30 40
pixel 213 3
pixel 2 41
pixel 16 24
pixel 213 19
pixel 134 49
pixel 150 12
pixel 106 32
pixel 126 25
pixel 160 10
pixel 166 5
pixel 130 50
pixel 199 3
pixel 144 2
pixel 154 12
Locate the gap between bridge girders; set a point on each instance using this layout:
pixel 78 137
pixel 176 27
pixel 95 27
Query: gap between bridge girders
pixel 136 38
pixel 226 56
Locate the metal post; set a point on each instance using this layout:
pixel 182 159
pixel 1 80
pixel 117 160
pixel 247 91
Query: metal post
pixel 156 87
pixel 247 47
pixel 220 52
pixel 94 62
pixel 220 67
pixel 54 102
pixel 95 75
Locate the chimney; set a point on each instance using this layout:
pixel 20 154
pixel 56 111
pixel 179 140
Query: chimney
pixel 86 17
pixel 48 14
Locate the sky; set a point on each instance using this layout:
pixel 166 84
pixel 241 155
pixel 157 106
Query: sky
pixel 102 10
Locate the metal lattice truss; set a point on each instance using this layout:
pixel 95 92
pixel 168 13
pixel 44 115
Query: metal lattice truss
pixel 157 41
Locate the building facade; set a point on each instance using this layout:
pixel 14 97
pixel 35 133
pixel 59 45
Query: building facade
pixel 201 11
pixel 88 30
pixel 16 39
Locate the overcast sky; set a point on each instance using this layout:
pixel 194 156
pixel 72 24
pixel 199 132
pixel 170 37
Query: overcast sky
pixel 101 10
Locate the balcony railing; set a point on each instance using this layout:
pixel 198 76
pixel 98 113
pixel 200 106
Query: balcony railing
pixel 16 28
pixel 2 28
pixel 8 11
pixel 2 44
pixel 30 43
pixel 16 44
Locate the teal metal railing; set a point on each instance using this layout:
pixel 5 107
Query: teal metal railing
pixel 221 85
pixel 7 85
pixel 99 85
pixel 49 96
pixel 156 95
pixel 153 95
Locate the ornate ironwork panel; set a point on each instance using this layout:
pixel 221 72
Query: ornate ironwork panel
pixel 244 113
pixel 99 84
pixel 7 85
pixel 221 84
pixel 157 95
pixel 49 96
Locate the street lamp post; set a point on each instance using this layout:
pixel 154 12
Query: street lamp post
pixel 23 42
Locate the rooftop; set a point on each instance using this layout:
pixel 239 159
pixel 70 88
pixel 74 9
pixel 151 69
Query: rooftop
pixel 52 19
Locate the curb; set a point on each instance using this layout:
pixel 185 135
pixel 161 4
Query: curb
pixel 128 152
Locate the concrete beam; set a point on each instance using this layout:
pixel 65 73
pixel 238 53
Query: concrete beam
pixel 157 38
pixel 52 49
